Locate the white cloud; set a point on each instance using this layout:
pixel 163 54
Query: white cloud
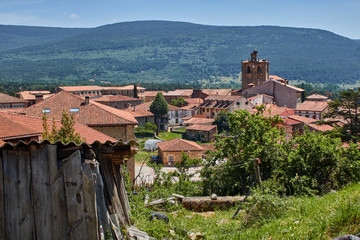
pixel 74 16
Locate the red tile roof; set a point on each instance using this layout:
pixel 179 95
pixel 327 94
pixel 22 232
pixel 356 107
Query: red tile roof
pixel 312 106
pixel 4 98
pixel 115 98
pixel 30 95
pixel 19 126
pixel 217 91
pixel 198 121
pixel 199 127
pixel 93 114
pixel 97 88
pixel 194 100
pixel 321 128
pixel 223 98
pixel 317 97
pixel 179 92
pixel 146 106
pixel 302 119
pixel 150 93
pixel 178 145
pixel 273 110
pixel 140 113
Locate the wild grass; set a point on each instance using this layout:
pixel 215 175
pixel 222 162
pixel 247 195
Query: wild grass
pixel 169 135
pixel 263 217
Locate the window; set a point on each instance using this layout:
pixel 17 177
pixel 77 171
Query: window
pixel 248 70
pixel 74 109
pixel 46 110
pixel 259 69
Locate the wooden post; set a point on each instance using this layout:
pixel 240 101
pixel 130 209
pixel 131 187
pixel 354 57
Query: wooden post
pixel 257 161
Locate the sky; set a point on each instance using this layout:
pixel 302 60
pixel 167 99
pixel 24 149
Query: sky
pixel 339 16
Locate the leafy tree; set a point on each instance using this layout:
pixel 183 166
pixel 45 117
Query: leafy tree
pixel 159 108
pixel 230 169
pixel 311 164
pixel 222 121
pixel 178 102
pixel 344 114
pixel 65 134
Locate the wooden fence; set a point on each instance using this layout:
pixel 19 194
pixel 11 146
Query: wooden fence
pixel 53 191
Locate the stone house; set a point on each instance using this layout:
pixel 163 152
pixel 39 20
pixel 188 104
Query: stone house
pixel 284 95
pixel 170 151
pixel 185 93
pixel 217 103
pixel 203 133
pixel 148 96
pixel 315 106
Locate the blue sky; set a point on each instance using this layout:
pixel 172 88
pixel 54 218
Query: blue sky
pixel 341 16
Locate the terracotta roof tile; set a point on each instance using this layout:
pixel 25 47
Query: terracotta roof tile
pixel 30 95
pixel 302 119
pixel 217 91
pixel 201 127
pixel 313 106
pixel 321 128
pixel 17 126
pixel 150 93
pixel 93 114
pixel 140 113
pixel 178 145
pixel 179 92
pixel 198 121
pixel 115 98
pixel 194 100
pixel 4 98
pixel 317 97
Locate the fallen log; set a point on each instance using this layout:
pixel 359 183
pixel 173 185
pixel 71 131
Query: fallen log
pixel 202 204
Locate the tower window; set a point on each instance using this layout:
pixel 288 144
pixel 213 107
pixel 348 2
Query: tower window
pixel 259 69
pixel 248 69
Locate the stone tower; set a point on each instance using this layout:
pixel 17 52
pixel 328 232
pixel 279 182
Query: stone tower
pixel 254 71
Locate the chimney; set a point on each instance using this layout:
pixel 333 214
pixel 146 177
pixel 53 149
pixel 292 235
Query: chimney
pixel 87 100
pixel 39 98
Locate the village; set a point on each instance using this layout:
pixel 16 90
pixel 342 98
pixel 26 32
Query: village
pixel 108 119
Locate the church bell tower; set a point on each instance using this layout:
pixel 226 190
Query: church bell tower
pixel 254 72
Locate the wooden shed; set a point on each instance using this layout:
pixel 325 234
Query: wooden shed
pixel 57 191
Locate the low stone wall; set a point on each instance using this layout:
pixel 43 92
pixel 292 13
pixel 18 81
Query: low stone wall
pixel 203 204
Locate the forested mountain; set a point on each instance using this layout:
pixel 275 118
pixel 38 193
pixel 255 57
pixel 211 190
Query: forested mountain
pixel 163 52
pixel 12 37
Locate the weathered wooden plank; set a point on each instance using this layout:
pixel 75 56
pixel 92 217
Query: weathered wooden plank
pixel 26 213
pixel 112 193
pixel 2 207
pixel 122 192
pixel 40 191
pixel 101 203
pixel 46 196
pixel 75 196
pixel 11 196
pixel 59 218
pixel 90 202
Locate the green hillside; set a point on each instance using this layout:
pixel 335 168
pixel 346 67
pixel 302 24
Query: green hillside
pixel 164 52
pixel 12 37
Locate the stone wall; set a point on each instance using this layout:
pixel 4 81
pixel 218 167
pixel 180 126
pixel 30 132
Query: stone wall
pixel 124 132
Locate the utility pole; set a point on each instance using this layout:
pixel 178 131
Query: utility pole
pixel 257 161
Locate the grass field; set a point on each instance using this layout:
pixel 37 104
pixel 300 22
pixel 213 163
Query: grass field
pixel 169 135
pixel 265 217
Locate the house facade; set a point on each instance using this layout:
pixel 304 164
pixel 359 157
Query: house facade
pixel 7 101
pixel 170 151
pixel 201 133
